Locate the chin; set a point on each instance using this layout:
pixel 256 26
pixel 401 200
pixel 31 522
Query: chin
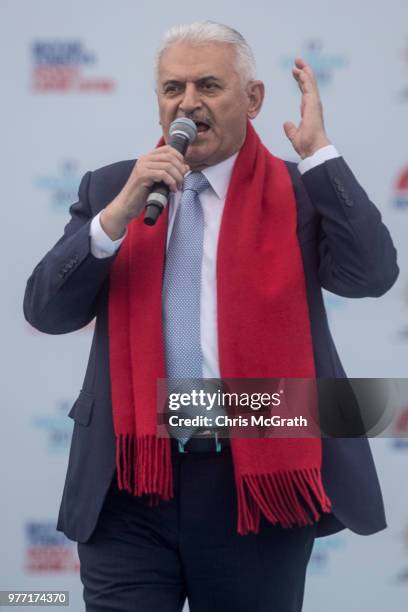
pixel 197 159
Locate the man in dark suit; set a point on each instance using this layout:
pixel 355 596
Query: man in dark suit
pixel 135 555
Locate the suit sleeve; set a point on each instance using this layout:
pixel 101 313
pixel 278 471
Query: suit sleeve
pixel 62 292
pixel 357 257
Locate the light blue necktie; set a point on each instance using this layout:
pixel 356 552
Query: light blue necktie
pixel 182 289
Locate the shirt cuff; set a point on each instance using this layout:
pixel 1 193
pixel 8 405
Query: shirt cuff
pixel 319 157
pixel 101 245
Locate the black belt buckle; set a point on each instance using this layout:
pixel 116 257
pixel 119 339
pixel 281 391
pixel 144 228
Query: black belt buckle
pixel 214 439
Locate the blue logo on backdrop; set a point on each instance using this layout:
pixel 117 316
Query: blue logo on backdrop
pixel 48 550
pixel 323 64
pixel 61 53
pixel 59 65
pixel 323 550
pixel 57 427
pixel 61 187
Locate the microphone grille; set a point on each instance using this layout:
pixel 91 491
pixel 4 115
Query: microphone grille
pixel 184 125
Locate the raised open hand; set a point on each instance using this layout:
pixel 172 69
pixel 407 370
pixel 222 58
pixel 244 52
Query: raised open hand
pixel 309 135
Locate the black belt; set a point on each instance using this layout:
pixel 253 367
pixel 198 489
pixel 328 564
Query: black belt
pixel 201 445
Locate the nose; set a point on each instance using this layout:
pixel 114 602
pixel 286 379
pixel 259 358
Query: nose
pixel 191 99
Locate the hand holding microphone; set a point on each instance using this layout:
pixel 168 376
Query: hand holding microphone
pixel 182 133
pixel 153 176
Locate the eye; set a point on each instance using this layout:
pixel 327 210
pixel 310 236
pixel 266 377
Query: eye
pixel 210 86
pixel 171 89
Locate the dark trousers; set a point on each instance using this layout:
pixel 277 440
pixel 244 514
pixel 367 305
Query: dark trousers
pixel 144 558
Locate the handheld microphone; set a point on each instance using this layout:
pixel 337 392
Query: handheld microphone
pixel 182 133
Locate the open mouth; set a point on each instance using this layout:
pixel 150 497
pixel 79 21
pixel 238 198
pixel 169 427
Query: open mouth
pixel 202 126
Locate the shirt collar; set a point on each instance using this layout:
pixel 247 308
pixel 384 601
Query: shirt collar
pixel 219 175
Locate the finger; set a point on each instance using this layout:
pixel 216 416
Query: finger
pixel 300 62
pixel 175 173
pixel 301 65
pixel 309 75
pixel 167 150
pixel 167 158
pixel 176 169
pixel 304 81
pixel 296 76
pixel 156 176
pixel 290 130
pixel 177 176
pixel 309 71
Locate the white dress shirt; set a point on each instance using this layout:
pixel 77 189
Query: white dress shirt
pixel 212 201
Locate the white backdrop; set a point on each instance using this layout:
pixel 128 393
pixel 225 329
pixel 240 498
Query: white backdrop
pixel 52 136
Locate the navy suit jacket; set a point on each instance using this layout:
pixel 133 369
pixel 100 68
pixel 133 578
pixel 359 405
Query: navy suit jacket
pixel 345 248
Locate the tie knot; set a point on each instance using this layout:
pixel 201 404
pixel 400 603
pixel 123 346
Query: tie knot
pixel 195 181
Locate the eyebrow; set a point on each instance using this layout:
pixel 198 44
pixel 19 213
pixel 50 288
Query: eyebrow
pixel 199 81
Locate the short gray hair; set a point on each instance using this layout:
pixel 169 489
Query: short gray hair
pixel 204 32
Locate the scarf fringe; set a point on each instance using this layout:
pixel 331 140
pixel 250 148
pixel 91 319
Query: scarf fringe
pixel 284 498
pixel 144 466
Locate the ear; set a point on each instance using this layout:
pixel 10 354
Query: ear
pixel 255 91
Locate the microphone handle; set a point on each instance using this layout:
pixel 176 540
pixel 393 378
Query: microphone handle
pixel 159 194
pixel 156 202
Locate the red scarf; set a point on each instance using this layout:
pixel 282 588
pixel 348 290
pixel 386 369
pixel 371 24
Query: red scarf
pixel 260 292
